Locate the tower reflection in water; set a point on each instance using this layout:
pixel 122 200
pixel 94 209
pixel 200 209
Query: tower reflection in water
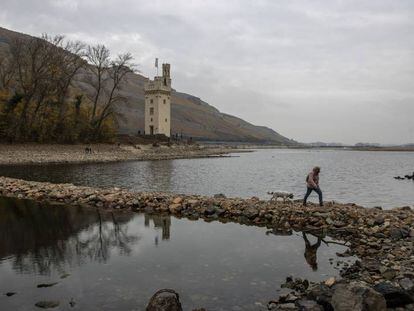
pixel 159 221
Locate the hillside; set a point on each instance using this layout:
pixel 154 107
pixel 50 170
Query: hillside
pixel 190 115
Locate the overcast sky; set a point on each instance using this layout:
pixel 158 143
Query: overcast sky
pixel 332 70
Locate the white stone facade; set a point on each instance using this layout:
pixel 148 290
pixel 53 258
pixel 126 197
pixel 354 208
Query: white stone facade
pixel 158 104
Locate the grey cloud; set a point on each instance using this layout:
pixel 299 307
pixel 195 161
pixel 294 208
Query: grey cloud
pixel 312 70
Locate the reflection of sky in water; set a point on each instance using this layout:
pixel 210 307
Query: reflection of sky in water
pixel 211 265
pixel 347 176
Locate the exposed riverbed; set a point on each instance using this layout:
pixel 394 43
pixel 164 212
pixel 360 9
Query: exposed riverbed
pixel 41 154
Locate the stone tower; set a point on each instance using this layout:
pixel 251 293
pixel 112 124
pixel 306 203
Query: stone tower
pixel 158 104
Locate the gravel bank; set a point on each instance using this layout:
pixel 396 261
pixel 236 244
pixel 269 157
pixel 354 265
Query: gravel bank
pixel 54 154
pixel 382 278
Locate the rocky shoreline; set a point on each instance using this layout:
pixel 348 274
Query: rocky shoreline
pixel 382 278
pixel 29 154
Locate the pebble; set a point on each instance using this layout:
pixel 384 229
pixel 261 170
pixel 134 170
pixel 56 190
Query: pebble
pixel 46 285
pixel 46 304
pixel 329 282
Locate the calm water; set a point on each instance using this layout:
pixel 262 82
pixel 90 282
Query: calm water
pixel 365 178
pixel 117 261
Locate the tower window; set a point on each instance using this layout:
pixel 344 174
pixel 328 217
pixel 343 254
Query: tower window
pixel 151 101
pixel 151 111
pixel 151 119
pixel 165 119
pixel 165 101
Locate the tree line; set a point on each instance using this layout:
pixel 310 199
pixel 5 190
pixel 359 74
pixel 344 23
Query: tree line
pixel 40 100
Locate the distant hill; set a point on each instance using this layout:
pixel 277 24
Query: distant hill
pixel 190 115
pixel 323 144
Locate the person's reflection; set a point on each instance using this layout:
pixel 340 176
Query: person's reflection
pixel 311 250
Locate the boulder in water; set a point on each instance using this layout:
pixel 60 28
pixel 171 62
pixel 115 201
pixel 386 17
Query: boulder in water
pixel 164 300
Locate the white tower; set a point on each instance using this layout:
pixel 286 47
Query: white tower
pixel 158 104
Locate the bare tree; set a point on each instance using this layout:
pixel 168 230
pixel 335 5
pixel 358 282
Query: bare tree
pixel 67 63
pixel 120 67
pixel 33 59
pixel 99 57
pixel 106 77
pixel 7 71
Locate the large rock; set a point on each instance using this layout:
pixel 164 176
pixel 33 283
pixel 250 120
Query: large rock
pixel 177 200
pixel 308 305
pixel 322 294
pixel 407 284
pixel 251 213
pixel 164 300
pixel 388 274
pixel 175 208
pixel 357 296
pixel 210 210
pixel 283 307
pixel 396 233
pixel 395 296
pixel 379 220
pixel 219 196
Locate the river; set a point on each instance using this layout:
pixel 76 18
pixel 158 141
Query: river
pixel 361 177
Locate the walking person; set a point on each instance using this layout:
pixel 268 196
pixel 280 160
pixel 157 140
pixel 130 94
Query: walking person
pixel 312 183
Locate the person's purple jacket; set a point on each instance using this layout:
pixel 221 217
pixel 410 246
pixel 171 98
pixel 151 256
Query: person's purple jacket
pixel 313 180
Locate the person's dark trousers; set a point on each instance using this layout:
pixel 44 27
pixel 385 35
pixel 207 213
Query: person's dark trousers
pixel 308 192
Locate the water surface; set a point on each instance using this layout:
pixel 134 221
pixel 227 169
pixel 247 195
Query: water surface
pixel 361 177
pixel 116 261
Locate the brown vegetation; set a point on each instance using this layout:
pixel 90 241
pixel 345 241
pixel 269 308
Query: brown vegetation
pixel 38 101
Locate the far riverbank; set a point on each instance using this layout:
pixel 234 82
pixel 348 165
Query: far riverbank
pixel 24 154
